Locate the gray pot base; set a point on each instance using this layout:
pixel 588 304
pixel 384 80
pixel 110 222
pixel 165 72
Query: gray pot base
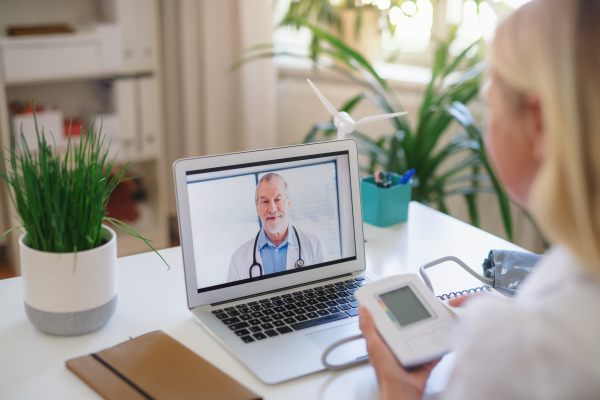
pixel 75 323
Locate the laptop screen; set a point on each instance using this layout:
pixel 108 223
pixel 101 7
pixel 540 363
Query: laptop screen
pixel 259 220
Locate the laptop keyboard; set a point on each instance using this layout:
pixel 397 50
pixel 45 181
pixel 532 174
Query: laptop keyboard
pixel 278 315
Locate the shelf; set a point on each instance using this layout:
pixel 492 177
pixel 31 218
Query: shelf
pixel 77 78
pixel 108 66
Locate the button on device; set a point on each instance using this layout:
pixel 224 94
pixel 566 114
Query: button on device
pixel 422 344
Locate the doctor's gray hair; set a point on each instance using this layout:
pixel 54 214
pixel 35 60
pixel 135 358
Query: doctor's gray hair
pixel 269 178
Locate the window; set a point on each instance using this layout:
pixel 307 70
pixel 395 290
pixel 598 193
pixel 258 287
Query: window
pixel 416 24
pixel 218 206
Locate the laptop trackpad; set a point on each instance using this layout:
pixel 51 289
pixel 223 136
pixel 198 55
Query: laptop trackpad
pixel 346 352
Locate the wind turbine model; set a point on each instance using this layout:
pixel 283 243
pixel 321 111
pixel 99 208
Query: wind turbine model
pixel 342 120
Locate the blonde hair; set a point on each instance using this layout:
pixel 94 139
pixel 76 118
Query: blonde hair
pixel 549 48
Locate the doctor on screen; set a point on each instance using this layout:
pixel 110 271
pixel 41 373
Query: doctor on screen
pixel 278 246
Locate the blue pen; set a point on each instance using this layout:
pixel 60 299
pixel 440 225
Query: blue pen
pixel 407 175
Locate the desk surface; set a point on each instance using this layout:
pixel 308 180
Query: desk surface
pixel 32 364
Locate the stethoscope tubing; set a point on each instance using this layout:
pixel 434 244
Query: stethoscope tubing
pixel 298 264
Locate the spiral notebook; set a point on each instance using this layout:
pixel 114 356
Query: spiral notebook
pixel 457 311
pixel 486 287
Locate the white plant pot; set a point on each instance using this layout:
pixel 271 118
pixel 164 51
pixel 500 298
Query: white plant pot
pixel 67 293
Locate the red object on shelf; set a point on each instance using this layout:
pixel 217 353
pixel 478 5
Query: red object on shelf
pixel 75 126
pixel 121 204
pixel 19 107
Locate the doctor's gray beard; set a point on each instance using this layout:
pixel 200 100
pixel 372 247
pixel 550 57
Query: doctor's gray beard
pixel 275 227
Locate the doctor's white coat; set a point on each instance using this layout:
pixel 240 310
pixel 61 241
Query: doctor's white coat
pixel 311 247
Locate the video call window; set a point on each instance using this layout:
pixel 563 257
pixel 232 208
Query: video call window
pixel 223 214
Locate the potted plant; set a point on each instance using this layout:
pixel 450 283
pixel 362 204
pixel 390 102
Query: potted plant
pixel 459 166
pixel 68 257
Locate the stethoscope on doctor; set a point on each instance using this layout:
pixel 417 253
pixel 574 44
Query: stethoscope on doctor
pixel 299 263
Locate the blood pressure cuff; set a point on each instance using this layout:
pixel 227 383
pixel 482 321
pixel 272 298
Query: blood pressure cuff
pixel 509 269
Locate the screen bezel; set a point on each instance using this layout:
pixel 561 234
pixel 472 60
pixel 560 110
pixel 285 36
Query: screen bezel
pixel 220 294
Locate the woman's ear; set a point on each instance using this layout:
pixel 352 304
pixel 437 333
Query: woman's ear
pixel 535 115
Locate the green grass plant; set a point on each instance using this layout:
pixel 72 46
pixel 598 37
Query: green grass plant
pixel 61 197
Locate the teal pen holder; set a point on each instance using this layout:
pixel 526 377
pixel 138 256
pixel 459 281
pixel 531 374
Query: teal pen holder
pixel 385 206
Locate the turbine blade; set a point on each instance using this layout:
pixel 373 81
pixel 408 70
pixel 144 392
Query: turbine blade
pixel 324 100
pixel 379 117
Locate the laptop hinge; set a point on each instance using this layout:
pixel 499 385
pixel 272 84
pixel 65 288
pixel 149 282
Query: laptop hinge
pixel 279 290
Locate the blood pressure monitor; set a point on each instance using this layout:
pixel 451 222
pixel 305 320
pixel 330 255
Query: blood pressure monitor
pixel 413 323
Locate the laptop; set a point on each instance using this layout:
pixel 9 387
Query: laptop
pixel 273 251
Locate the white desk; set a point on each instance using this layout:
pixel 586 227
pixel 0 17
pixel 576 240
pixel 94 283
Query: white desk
pixel 32 364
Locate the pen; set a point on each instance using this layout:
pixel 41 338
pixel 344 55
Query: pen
pixel 389 180
pixel 407 175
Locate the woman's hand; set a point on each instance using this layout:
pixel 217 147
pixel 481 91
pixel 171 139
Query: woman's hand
pixel 395 382
pixel 458 302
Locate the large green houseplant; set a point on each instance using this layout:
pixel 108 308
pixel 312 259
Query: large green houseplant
pixel 68 257
pixel 444 168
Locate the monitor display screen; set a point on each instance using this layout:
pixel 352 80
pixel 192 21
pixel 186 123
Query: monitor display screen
pixel 405 306
pixel 260 220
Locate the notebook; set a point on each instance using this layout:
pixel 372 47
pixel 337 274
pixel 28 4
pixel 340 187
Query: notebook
pixel 155 366
pixel 273 251
pixel 480 285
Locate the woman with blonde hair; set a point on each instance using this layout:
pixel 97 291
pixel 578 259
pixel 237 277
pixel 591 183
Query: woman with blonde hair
pixel 544 138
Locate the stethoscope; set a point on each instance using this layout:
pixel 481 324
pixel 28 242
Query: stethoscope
pixel 298 264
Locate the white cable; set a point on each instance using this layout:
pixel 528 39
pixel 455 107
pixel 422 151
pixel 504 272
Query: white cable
pixel 339 367
pixel 488 281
